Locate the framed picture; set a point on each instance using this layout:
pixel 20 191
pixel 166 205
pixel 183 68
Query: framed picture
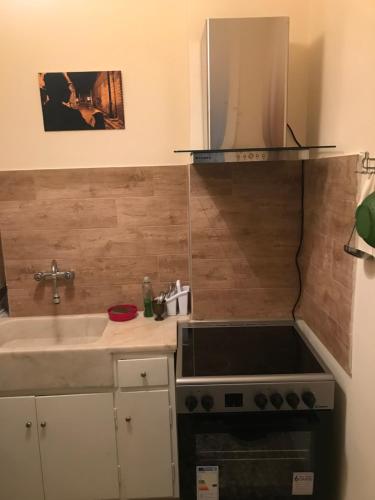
pixel 82 100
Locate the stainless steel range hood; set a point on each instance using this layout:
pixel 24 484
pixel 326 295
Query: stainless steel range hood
pixel 245 86
pixel 246 78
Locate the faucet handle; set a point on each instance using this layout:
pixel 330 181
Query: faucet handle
pixel 38 276
pixel 69 275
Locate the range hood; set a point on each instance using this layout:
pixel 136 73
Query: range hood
pixel 245 86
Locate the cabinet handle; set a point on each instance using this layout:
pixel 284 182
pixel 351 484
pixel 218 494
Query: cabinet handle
pixel 28 424
pixel 143 374
pixel 43 424
pixel 128 419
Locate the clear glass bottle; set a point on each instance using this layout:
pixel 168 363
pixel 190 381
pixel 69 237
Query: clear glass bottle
pixel 147 297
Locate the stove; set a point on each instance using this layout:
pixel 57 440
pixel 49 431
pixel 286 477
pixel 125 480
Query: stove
pixel 249 367
pixel 254 413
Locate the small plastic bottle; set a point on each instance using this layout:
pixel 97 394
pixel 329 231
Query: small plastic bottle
pixel 147 297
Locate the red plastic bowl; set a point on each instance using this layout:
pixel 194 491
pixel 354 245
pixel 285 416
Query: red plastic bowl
pixel 122 312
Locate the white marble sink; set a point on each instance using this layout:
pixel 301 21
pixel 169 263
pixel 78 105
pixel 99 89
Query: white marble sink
pixel 37 333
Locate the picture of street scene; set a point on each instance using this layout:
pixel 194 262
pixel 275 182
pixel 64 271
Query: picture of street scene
pixel 82 100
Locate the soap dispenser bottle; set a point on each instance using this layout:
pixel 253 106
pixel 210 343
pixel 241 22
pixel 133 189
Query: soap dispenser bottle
pixel 147 297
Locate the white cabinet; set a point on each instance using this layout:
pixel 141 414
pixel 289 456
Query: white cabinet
pixel 76 451
pixel 65 447
pixel 20 469
pixel 145 372
pixel 78 447
pixel 144 438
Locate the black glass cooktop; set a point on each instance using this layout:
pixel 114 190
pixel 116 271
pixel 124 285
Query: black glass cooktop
pixel 245 350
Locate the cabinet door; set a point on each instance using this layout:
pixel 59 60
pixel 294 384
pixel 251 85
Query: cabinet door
pixel 20 471
pixel 144 444
pixel 78 447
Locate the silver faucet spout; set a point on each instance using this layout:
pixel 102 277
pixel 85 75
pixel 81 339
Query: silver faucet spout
pixel 54 275
pixel 54 272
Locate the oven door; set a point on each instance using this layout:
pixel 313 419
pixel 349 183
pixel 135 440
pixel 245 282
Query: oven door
pixel 255 456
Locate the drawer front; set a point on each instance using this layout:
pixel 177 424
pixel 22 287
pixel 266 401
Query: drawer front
pixel 142 372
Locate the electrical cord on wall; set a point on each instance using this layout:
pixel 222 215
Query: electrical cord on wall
pixel 299 249
pixel 294 137
pixel 302 224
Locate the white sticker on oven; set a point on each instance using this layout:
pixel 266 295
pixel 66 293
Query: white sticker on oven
pixel 207 482
pixel 303 483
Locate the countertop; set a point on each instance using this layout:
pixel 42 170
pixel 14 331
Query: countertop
pixel 67 368
pixel 141 335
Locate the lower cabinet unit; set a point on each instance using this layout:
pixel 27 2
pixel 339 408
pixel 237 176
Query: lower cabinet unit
pixel 78 447
pixel 20 468
pixel 69 441
pixel 97 446
pixel 144 443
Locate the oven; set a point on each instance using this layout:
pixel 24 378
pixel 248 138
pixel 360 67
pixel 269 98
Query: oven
pixel 257 435
pixel 254 456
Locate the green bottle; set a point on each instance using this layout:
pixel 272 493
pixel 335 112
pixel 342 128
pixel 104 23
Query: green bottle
pixel 147 297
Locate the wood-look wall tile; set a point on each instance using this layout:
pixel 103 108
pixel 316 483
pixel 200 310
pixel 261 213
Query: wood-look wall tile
pixel 334 298
pixel 330 201
pixel 62 214
pixel 37 301
pixel 317 251
pixel 165 240
pixel 35 244
pixel 2 267
pixel 343 266
pixel 61 184
pixel 118 182
pixel 20 273
pixel 152 211
pixel 16 186
pixel 114 242
pixel 252 303
pixel 244 242
pixel 209 180
pixel 170 180
pixel 336 339
pixel 116 270
pixel 249 273
pixel 268 183
pixel 228 211
pixel 173 267
pixel 98 299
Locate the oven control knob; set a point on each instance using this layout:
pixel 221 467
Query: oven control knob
pixel 207 402
pixel 261 400
pixel 277 400
pixel 191 403
pixel 293 400
pixel 309 399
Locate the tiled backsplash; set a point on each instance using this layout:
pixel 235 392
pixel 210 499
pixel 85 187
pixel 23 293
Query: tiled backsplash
pixel 115 225
pixel 2 273
pixel 328 272
pixel 244 237
pixel 111 225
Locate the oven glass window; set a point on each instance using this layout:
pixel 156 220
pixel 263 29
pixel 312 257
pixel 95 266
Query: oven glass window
pixel 255 465
pixel 258 455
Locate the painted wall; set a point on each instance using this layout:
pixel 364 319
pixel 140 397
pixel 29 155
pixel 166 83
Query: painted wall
pixel 146 40
pixel 342 110
pixel 155 43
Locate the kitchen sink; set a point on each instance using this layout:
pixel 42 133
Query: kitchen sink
pixel 37 333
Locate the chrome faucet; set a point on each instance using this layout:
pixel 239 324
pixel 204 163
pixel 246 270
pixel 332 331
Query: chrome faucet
pixel 54 275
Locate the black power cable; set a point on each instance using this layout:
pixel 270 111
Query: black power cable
pixel 302 227
pixel 300 245
pixel 294 137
